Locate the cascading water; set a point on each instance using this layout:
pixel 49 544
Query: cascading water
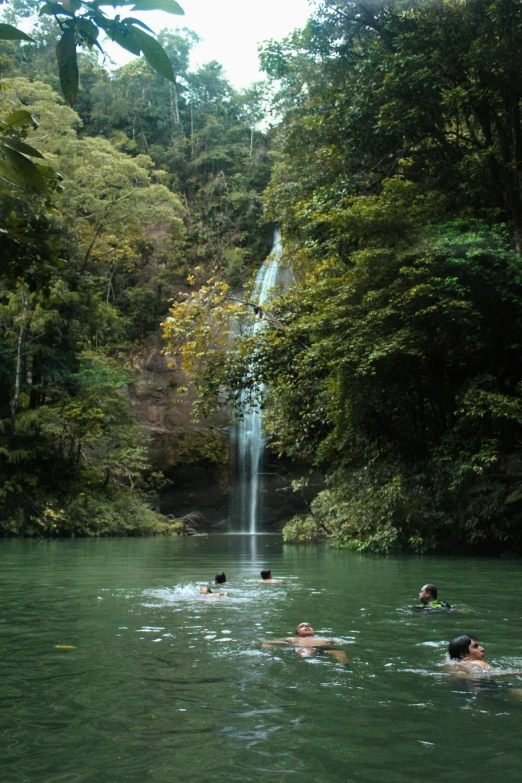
pixel 247 441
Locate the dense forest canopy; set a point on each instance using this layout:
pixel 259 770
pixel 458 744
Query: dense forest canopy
pixel 393 364
pixel 144 181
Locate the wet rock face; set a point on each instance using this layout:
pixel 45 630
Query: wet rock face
pixel 193 457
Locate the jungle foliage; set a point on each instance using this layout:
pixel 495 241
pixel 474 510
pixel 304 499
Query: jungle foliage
pixel 142 182
pixel 393 363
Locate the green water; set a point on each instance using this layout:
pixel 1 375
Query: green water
pixel 168 686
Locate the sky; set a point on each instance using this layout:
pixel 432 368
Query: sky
pixel 230 29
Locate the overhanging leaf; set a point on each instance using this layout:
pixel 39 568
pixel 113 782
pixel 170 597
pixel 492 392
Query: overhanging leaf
pixel 9 173
pixel 155 54
pixel 125 37
pixel 139 23
pixel 10 33
pixel 25 168
pixel 88 30
pixel 72 5
pixel 169 6
pixel 19 118
pixel 54 9
pixel 68 67
pixel 19 146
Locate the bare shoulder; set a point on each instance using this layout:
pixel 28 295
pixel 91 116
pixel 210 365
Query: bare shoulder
pixel 312 641
pixel 463 668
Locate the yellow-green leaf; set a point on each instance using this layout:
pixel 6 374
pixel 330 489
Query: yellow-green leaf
pixel 19 118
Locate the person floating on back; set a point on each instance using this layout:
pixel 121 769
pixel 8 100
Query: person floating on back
pixel 468 652
pixel 266 578
pixel 306 643
pixel 220 578
pixel 428 599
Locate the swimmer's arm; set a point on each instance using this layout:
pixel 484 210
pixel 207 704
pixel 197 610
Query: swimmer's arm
pixel 268 645
pixel 339 655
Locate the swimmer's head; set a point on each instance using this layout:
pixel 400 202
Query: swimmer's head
pixel 205 590
pixel 428 593
pixel 465 648
pixel 304 629
pixel 220 578
pixel 266 573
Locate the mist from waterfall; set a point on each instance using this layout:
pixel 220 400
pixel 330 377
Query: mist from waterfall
pixel 247 440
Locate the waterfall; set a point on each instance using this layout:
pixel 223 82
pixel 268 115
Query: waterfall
pixel 247 441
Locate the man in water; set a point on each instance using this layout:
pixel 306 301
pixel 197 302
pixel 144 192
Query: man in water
pixel 468 652
pixel 428 599
pixel 266 578
pixel 205 590
pixel 306 643
pixel 220 578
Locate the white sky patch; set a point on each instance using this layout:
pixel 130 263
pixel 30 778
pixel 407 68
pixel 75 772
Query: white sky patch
pixel 230 31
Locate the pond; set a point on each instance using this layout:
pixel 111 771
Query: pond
pixel 165 685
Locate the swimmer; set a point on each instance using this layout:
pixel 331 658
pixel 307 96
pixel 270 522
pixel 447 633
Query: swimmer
pixel 468 653
pixel 428 599
pixel 467 659
pixel 306 643
pixel 205 590
pixel 220 578
pixel 266 578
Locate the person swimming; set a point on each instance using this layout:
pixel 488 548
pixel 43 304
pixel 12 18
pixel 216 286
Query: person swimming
pixel 428 599
pixel 266 578
pixel 468 652
pixel 220 578
pixel 468 664
pixel 205 590
pixel 306 643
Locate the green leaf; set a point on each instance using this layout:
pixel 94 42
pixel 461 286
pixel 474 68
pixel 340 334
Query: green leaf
pixel 10 33
pixel 68 67
pixel 72 5
pixel 8 173
pixel 25 168
pixel 54 9
pixel 139 23
pixel 19 118
pixel 88 30
pixel 125 37
pixel 169 6
pixel 25 149
pixel 155 54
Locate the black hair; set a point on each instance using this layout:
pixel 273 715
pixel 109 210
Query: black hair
pixel 432 589
pixel 459 646
pixel 266 573
pixel 220 578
